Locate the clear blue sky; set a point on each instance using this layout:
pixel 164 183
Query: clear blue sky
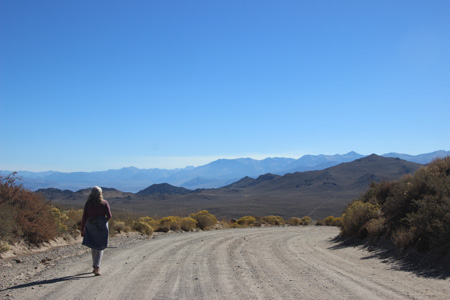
pixel 96 85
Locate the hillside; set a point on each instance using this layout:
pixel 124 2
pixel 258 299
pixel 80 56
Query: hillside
pixel 163 188
pixel 314 193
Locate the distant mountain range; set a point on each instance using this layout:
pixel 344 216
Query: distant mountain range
pixel 216 174
pixel 318 194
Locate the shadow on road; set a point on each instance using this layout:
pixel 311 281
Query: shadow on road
pixel 430 265
pixel 50 281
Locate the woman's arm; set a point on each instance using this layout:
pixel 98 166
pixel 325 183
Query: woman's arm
pixel 108 214
pixel 83 220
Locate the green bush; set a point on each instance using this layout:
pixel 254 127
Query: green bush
pixel 306 221
pixel 357 215
pixel 431 222
pixel 320 222
pixel 73 221
pixel 337 222
pixel 154 224
pixel 170 223
pixel 294 221
pixel 402 237
pixel 4 246
pixel 273 220
pixel 188 224
pixel 329 221
pixel 204 219
pixel 375 227
pixel 142 227
pixel 60 220
pixel 246 221
pixel 413 211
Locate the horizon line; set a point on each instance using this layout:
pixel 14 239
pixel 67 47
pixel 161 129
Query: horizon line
pixel 217 159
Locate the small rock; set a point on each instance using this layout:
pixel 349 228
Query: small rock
pixel 19 261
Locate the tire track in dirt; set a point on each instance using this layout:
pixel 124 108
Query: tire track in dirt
pixel 376 279
pixel 253 263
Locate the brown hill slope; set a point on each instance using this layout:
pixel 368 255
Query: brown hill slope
pixel 315 193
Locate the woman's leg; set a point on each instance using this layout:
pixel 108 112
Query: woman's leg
pixel 97 256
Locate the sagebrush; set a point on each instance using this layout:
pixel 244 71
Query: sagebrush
pixel 413 211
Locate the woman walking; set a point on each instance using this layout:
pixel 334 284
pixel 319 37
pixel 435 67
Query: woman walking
pixel 94 226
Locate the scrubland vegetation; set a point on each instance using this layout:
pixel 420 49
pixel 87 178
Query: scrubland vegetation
pixel 330 221
pixel 27 216
pixel 413 212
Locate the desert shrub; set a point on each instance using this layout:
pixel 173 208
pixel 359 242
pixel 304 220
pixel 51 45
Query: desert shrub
pixel 246 221
pixel 375 227
pixel 399 202
pixel 31 213
pixel 294 221
pixel 142 227
pixel 414 210
pixel 402 237
pixel 60 220
pixel 329 220
pixel 150 221
pixel 4 246
pixel 378 193
pixel 204 219
pixel 188 224
pixel 9 189
pixel 73 221
pixel 118 226
pixel 356 215
pixel 320 222
pixel 226 223
pixel 337 222
pixel 9 229
pixel 431 222
pixel 170 223
pixel 306 221
pixel 35 218
pixel 273 220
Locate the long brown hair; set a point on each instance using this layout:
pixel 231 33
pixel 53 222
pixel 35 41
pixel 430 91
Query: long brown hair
pixel 96 195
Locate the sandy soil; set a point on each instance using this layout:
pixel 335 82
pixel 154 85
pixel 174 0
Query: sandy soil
pixel 254 263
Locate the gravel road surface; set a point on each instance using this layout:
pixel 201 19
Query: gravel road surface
pixel 253 263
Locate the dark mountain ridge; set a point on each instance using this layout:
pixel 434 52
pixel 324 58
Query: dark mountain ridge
pixel 164 188
pixel 315 193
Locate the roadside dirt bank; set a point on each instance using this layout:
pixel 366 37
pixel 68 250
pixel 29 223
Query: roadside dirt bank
pixel 253 263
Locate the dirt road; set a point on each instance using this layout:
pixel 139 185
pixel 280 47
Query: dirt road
pixel 254 263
